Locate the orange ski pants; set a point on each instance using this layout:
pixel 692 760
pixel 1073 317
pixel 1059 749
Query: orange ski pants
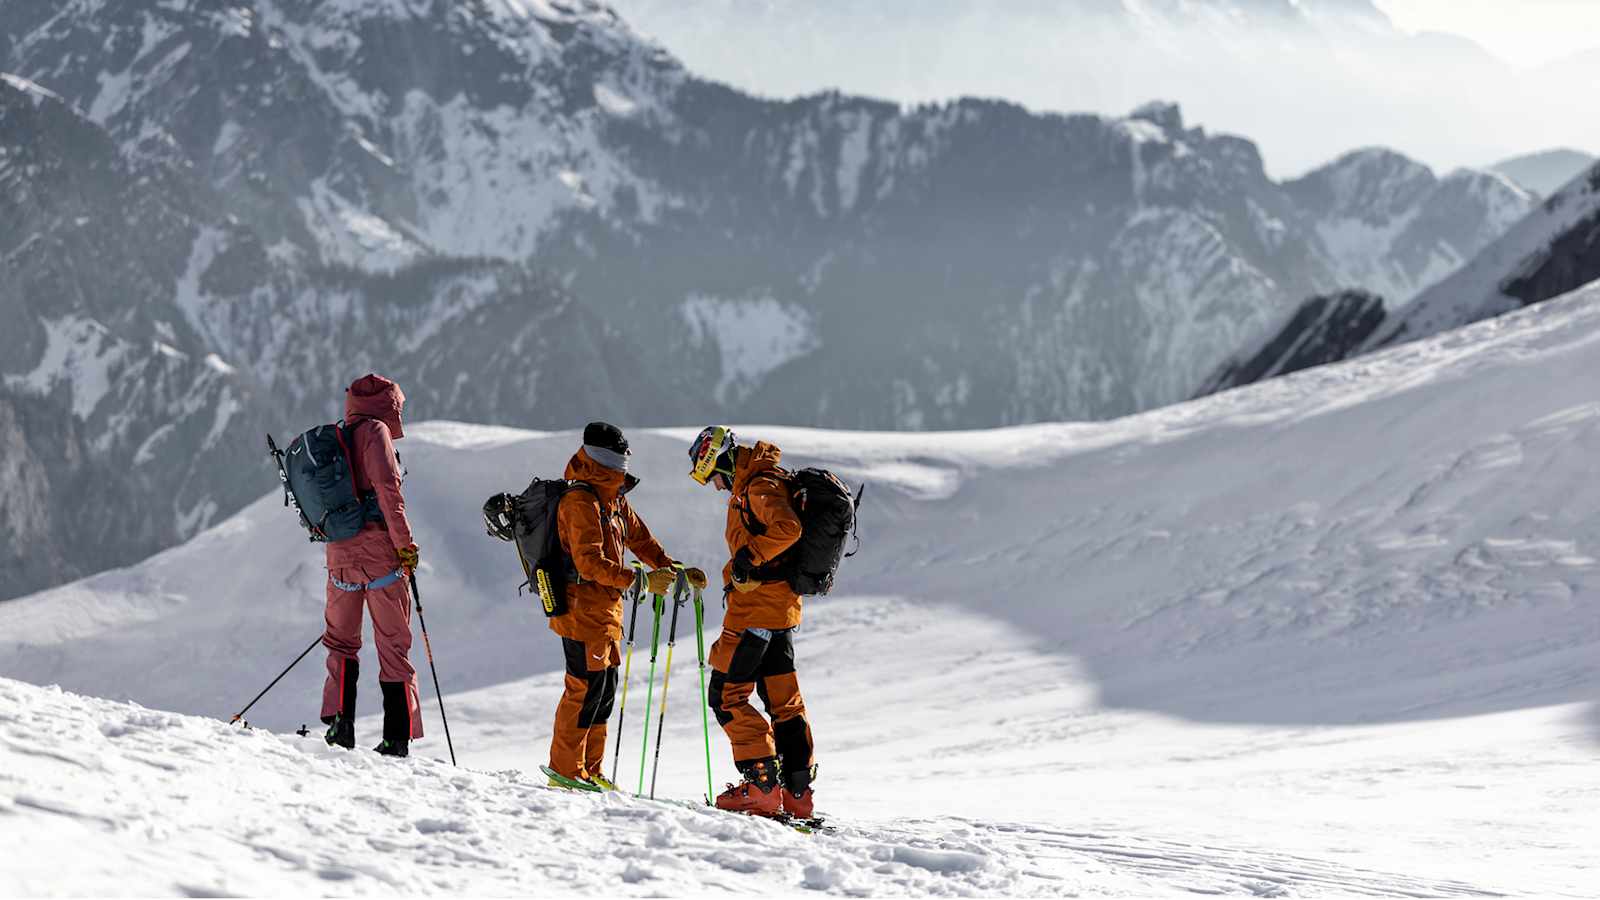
pixel 578 745
pixel 760 661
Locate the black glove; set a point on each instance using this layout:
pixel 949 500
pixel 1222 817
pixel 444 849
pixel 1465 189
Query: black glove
pixel 743 569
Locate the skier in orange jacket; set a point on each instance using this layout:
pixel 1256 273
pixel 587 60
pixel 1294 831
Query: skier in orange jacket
pixel 755 652
pixel 594 528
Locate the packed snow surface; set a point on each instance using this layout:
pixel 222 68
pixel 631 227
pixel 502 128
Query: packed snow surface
pixel 1328 635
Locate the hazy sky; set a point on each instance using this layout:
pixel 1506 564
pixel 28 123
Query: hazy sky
pixel 1525 32
pixel 1304 96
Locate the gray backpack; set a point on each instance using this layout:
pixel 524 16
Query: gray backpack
pixel 319 481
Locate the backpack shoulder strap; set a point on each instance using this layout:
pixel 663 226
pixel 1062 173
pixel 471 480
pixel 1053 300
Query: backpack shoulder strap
pixel 752 524
pixel 346 434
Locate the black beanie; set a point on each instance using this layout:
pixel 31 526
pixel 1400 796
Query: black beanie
pixel 605 436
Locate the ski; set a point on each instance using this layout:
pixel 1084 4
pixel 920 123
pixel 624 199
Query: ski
pixel 813 825
pixel 571 784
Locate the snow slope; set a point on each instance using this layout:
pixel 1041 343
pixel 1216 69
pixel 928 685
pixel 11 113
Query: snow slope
pixel 98 798
pixel 1324 635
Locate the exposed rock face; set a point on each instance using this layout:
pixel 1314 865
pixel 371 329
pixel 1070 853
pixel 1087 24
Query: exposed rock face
pixel 1324 329
pixel 1551 251
pixel 529 214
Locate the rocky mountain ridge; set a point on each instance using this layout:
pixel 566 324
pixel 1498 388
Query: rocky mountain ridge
pixel 1553 250
pixel 532 215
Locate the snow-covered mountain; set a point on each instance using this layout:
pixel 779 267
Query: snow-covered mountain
pixel 1350 608
pixel 1306 79
pixel 114 414
pixel 157 337
pixel 1390 226
pixel 1553 250
pixel 1547 171
pixel 1325 329
pixel 530 214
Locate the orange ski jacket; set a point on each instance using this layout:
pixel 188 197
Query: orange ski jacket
pixel 595 531
pixel 760 492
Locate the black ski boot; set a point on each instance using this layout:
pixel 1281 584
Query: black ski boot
pixel 342 725
pixel 341 733
pixel 396 720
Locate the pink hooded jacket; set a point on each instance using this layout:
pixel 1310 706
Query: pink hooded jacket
pixel 372 408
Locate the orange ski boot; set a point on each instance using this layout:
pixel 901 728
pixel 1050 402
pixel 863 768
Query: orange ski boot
pixel 757 794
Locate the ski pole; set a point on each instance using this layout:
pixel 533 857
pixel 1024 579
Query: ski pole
pixel 637 591
pixel 657 602
pixel 678 596
pixel 416 596
pixel 240 714
pixel 705 702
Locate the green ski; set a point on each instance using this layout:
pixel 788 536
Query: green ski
pixel 571 783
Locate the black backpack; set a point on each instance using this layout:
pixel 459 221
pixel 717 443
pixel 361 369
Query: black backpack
pixel 528 520
pixel 319 481
pixel 827 513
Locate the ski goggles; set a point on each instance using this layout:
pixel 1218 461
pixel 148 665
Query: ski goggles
pixel 706 450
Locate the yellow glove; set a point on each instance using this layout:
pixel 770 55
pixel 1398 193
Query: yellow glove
pixel 697 577
pixel 659 581
pixel 745 587
pixel 408 557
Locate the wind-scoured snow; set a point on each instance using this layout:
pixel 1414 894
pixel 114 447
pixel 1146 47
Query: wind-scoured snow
pixel 1327 635
pixel 80 356
pixel 751 336
pixel 101 798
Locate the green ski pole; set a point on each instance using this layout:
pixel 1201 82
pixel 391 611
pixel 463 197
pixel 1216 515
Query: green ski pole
pixel 678 596
pixel 658 604
pixel 700 649
pixel 637 591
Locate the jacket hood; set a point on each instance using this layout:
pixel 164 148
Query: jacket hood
pixel 608 482
pixel 375 397
pixel 752 461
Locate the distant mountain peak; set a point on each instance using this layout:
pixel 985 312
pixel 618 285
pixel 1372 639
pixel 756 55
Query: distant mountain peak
pixel 1165 113
pixel 1546 171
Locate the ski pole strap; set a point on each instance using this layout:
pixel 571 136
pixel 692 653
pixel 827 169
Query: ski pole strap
pixel 373 585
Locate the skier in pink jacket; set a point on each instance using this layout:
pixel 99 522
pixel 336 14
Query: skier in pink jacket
pixel 371 568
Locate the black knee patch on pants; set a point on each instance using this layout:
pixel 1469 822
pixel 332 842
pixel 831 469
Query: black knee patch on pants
pixel 600 688
pixel 600 697
pixel 714 698
pixel 748 656
pixel 766 699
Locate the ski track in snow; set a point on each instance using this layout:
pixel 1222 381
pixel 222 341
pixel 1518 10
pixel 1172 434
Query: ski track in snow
pixel 101 797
